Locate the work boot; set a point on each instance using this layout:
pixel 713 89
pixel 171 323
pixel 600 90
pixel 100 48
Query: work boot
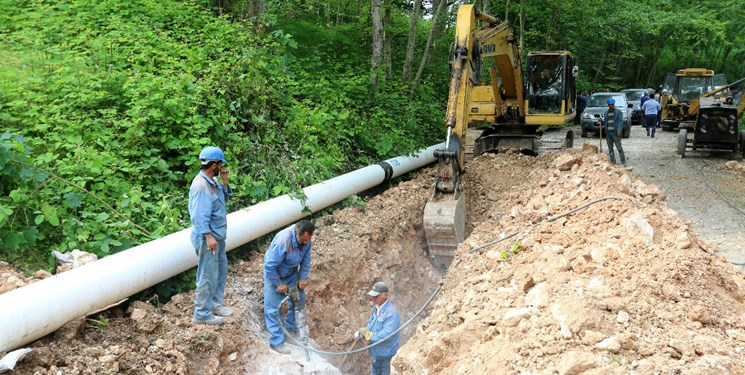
pixel 281 348
pixel 222 310
pixel 212 320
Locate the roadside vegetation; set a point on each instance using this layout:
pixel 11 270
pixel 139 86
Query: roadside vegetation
pixel 105 104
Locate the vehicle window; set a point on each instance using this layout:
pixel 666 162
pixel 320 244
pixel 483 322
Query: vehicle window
pixel 545 84
pixel 669 84
pixel 693 87
pixel 600 100
pixel 634 95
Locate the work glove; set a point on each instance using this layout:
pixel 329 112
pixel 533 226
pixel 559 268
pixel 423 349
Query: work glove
pixel 364 333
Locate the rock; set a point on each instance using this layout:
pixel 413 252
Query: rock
pixel 565 161
pixel 573 363
pixel 624 184
pixel 138 315
pixel 592 337
pixel 589 148
pixel 42 274
pixel 70 330
pixel 40 356
pixel 538 296
pixel 513 317
pixel 610 344
pixel 623 317
pixel 637 227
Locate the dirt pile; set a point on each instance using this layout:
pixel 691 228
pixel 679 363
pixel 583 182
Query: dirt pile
pixel 621 286
pixel 618 287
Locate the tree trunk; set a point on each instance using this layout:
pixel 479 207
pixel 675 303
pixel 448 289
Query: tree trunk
pixel 411 44
pixel 640 62
pixel 377 52
pixel 507 11
pixel 656 58
pixel 554 17
pixel 600 67
pixel 724 59
pixel 387 39
pixel 427 49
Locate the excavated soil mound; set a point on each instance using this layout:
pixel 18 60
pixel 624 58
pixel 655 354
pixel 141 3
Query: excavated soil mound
pixel 621 286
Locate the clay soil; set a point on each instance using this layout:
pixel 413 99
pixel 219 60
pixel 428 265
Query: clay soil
pixel 621 286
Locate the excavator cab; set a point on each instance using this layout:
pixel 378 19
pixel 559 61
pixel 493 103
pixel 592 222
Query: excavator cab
pixel 550 88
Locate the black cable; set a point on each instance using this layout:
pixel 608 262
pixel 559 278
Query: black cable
pixel 706 181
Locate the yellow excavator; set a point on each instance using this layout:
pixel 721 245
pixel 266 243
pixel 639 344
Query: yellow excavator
pixel 507 107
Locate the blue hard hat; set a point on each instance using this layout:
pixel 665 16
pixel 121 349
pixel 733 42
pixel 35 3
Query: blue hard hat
pixel 611 101
pixel 211 153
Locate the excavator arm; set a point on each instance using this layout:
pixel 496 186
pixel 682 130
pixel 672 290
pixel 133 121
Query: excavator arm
pixel 499 106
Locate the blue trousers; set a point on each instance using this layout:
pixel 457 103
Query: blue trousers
pixel 651 123
pixel 212 275
pixel 380 366
pixel 271 301
pixel 612 139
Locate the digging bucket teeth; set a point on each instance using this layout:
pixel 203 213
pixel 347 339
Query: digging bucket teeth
pixel 444 225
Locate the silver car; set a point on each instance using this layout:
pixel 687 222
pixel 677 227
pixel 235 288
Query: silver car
pixel 597 105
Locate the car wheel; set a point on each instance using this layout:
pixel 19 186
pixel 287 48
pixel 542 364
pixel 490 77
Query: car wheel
pixel 682 139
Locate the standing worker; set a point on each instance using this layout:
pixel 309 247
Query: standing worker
pixel 384 320
pixel 612 121
pixel 286 263
pixel 208 212
pixel 651 110
pixel 581 105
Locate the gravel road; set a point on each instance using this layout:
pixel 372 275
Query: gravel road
pixel 699 187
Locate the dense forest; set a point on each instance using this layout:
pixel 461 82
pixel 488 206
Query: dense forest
pixel 104 105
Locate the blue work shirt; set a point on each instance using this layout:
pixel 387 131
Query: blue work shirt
pixel 208 209
pixel 287 261
pixel 651 107
pixel 384 320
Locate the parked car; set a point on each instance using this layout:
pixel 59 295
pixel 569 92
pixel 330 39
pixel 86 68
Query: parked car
pixel 597 105
pixel 635 98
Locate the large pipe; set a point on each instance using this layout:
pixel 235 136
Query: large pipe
pixel 31 312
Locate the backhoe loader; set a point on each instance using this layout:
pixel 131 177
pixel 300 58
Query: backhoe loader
pixel 508 107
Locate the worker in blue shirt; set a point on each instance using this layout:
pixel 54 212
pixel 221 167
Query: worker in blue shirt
pixel 651 109
pixel 208 212
pixel 384 320
pixel 286 263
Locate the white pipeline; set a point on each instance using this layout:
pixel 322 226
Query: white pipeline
pixel 31 312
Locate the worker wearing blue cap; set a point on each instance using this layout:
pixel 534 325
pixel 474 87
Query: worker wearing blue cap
pixel 208 212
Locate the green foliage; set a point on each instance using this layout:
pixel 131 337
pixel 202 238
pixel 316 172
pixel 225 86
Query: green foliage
pixel 101 322
pixel 107 104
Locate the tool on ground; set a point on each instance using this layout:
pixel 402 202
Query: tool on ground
pixel 351 347
pixel 302 327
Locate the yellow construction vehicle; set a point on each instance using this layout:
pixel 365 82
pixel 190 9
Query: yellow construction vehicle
pixel 716 124
pixel 681 89
pixel 509 108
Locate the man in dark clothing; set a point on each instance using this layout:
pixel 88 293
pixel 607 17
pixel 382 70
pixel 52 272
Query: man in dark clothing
pixel 613 128
pixel 581 105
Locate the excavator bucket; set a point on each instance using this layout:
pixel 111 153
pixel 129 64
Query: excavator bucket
pixel 445 225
